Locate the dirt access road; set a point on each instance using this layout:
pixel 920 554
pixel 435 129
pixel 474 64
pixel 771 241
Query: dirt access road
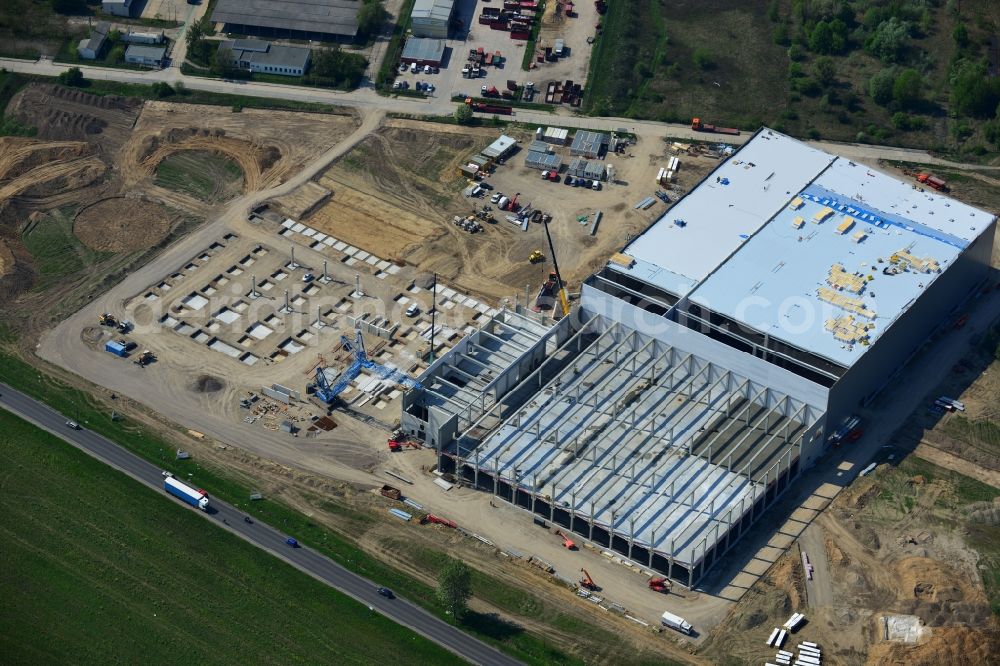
pixel 63 345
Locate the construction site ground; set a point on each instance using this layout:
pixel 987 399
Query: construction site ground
pixel 395 196
pixel 905 560
pixel 386 192
pixel 575 32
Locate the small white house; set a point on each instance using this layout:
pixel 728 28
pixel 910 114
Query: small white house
pixel 90 48
pixel 147 56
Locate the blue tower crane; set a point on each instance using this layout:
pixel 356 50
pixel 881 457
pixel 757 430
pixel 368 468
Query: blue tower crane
pixel 327 391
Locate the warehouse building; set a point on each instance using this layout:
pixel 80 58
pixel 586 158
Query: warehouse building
pixel 423 51
pixel 431 18
pixel 319 20
pixel 254 55
pixel 589 144
pixel 711 359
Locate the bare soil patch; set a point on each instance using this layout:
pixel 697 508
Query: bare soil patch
pixel 207 384
pixel 122 224
pixel 6 259
pixel 64 114
pixel 395 195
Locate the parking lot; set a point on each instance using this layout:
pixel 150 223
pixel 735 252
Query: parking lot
pixel 415 78
pixel 449 81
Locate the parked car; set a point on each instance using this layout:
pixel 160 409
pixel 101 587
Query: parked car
pixel 308 277
pixel 429 87
pixel 495 198
pixel 568 180
pixel 413 310
pixel 402 67
pixel 427 69
pixel 414 68
pixel 596 185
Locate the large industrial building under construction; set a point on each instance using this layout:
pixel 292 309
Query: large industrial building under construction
pixel 709 361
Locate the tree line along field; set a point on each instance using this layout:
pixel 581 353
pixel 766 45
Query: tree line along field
pixel 919 73
pixel 97 566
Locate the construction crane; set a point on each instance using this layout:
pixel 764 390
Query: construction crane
pixel 327 391
pixel 560 285
pixel 588 582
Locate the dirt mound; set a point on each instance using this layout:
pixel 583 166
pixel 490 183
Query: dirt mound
pixel 67 113
pixel 955 646
pixel 113 102
pixel 932 580
pixel 207 384
pixel 122 225
pixel 19 155
pixel 6 259
pixel 36 168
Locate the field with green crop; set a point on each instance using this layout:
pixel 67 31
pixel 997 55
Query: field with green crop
pixel 86 409
pixel 203 175
pixel 56 251
pixel 97 567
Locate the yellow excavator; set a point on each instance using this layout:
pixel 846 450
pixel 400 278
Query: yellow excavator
pixel 536 256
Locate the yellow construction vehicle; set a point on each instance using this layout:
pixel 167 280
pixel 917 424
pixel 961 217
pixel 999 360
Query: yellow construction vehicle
pixel 536 256
pixel 560 285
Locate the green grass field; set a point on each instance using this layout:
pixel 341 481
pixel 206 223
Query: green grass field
pixel 204 175
pixel 56 251
pixel 97 567
pixel 85 409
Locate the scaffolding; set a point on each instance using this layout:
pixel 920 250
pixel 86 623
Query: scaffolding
pixel 650 451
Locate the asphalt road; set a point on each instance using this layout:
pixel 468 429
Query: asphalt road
pixel 365 97
pixel 261 535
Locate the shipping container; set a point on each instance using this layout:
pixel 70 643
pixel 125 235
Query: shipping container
pixel 187 494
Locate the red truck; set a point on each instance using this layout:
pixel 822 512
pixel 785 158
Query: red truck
pixel 699 126
pixel 481 107
pixel 932 181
